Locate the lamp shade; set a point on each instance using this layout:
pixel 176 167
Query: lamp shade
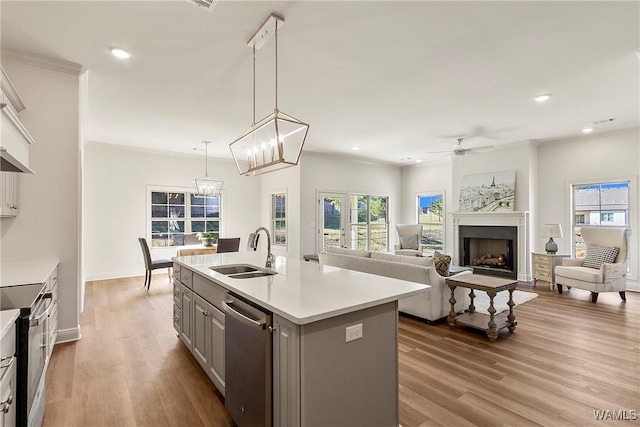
pixel 551 230
pixel 273 143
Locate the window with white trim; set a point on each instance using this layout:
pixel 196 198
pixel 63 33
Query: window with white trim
pixel 369 222
pixel 279 219
pixel 431 216
pixel 602 203
pixel 176 213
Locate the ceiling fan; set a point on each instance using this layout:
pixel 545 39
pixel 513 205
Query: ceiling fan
pixel 459 150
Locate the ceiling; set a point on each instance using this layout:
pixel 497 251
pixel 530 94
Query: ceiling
pixel 398 79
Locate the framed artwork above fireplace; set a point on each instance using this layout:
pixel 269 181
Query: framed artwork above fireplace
pixel 491 192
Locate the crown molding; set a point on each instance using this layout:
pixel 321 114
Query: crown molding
pixel 42 61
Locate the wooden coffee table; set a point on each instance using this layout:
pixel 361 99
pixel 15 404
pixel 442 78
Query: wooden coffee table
pixel 490 323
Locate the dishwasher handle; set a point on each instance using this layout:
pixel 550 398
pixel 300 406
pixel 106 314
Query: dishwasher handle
pixel 242 317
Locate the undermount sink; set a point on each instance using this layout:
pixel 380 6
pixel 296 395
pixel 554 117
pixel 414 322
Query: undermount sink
pixel 253 274
pixel 242 271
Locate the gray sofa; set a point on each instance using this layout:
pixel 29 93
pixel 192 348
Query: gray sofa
pixel 431 305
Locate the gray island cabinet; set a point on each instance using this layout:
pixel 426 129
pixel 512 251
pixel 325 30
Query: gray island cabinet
pixel 334 336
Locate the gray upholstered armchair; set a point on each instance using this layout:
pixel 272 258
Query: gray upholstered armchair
pixel 603 269
pixel 410 238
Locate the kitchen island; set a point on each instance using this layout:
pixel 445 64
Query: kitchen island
pixel 334 335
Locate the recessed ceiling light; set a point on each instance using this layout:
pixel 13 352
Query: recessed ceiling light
pixel 542 98
pixel 119 52
pixel 356 147
pixel 418 160
pixel 587 130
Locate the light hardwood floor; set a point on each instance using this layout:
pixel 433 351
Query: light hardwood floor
pixel 566 358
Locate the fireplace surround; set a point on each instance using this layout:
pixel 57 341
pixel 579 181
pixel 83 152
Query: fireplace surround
pixel 518 222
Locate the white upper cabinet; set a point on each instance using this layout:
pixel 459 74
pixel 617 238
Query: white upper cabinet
pixel 15 139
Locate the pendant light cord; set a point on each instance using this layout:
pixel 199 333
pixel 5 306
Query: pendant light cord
pixel 206 159
pixel 276 64
pixel 254 85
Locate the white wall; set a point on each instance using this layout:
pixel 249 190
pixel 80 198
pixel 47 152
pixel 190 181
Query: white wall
pixel 320 172
pixel 47 225
pixel 425 179
pixel 116 180
pixel 595 157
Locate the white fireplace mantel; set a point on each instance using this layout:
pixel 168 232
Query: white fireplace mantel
pixel 509 219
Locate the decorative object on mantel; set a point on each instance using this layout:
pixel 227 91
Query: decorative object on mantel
pixel 205 186
pixel 551 231
pixel 276 141
pixel 494 192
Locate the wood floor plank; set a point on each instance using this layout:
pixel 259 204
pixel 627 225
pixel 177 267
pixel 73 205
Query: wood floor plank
pixel 567 358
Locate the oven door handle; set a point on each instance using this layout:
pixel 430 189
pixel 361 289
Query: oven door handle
pixel 33 322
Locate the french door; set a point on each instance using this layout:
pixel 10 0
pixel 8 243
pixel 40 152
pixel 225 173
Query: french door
pixel 332 220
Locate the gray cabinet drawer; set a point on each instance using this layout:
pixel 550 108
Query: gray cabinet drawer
pixel 208 290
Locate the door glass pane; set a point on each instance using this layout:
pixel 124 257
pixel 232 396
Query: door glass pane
pixel 197 226
pixel 176 226
pixel 197 201
pixel 213 226
pixel 178 239
pixel 332 220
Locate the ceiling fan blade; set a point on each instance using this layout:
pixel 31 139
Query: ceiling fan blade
pixel 439 152
pixel 482 147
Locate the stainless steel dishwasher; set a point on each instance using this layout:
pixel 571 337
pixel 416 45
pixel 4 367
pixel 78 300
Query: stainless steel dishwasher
pixel 248 370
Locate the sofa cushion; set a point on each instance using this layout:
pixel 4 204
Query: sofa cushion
pixel 347 251
pixel 416 260
pixel 441 262
pixel 585 274
pixel 597 255
pixel 409 242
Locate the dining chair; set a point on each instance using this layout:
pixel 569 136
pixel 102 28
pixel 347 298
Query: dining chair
pixel 151 265
pixel 231 244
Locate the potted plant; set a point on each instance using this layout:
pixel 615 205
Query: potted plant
pixel 206 238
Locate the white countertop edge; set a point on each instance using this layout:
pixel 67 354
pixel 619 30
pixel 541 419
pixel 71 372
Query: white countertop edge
pixel 27 272
pixel 7 318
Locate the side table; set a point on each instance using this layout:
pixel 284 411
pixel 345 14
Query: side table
pixel 490 323
pixel 544 266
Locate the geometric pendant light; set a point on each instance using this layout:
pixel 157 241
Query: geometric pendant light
pixel 203 187
pixel 276 141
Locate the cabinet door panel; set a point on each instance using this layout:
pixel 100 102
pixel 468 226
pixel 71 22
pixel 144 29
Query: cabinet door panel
pixel 177 316
pixel 200 314
pixel 216 348
pixel 186 326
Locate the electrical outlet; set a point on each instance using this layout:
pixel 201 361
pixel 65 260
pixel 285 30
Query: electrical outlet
pixel 354 332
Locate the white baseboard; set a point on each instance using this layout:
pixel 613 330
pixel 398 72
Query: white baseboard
pixel 121 274
pixel 68 335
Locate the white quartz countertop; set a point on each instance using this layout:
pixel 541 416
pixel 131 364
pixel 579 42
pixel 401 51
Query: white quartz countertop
pixel 7 318
pixel 26 273
pixel 303 292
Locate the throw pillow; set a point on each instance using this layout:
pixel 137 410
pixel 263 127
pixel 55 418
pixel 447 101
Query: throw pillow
pixel 409 242
pixel 597 255
pixel 441 262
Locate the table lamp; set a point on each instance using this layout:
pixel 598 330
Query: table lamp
pixel 551 231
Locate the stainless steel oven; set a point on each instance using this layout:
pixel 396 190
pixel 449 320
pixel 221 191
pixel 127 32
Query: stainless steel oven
pixel 34 304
